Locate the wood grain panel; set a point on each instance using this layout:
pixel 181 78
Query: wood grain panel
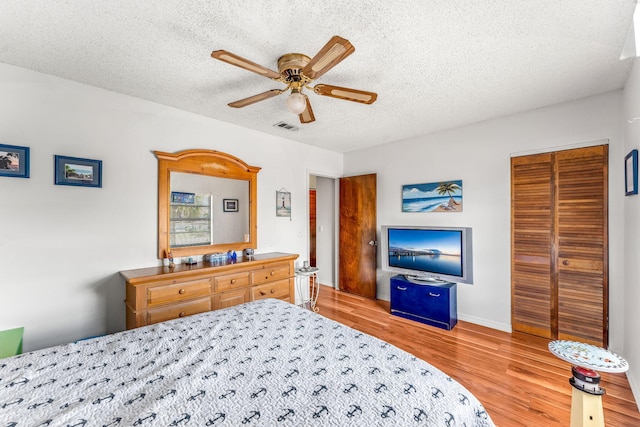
pixel 531 235
pixel 312 227
pixel 357 270
pixel 559 244
pixel 581 217
pixel 231 298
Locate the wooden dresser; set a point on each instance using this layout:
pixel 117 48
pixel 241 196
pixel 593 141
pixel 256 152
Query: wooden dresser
pixel 156 294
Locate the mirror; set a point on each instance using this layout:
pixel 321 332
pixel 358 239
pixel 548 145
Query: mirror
pixel 206 203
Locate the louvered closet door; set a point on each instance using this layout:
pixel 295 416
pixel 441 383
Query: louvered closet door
pixel 559 245
pixel 581 218
pixel 531 237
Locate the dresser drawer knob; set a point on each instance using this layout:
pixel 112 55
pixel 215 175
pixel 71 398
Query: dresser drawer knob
pixel 262 293
pixel 182 314
pixel 273 291
pixel 272 273
pixel 181 291
pixel 233 281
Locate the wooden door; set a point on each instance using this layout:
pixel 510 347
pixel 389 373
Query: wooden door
pixel 531 245
pixel 582 247
pixel 357 238
pixel 312 227
pixel 559 245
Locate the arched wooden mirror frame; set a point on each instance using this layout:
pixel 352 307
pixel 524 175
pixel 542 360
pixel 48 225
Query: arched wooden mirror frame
pixel 209 163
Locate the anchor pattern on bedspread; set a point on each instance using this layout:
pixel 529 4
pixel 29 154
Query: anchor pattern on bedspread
pixel 261 363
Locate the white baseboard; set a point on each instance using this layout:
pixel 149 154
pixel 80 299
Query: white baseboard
pixel 504 327
pixel 383 296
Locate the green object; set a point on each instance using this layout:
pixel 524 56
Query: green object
pixel 11 342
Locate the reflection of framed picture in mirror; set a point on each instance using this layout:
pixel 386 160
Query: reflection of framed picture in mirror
pixel 14 161
pixel 78 172
pixel 230 205
pixel 180 197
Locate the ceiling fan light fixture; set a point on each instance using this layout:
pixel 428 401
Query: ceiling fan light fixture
pixel 297 71
pixel 296 102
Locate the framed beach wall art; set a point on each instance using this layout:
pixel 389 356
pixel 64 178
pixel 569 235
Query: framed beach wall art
pixel 631 173
pixel 230 205
pixel 77 172
pixel 14 161
pixel 443 196
pixel 283 203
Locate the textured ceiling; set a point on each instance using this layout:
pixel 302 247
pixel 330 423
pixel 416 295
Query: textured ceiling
pixel 435 64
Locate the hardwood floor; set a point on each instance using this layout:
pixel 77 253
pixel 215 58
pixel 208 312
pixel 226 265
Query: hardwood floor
pixel 516 378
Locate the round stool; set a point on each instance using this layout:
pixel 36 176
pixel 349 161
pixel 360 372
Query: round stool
pixel 586 395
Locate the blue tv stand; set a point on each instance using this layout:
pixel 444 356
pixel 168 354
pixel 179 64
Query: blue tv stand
pixel 425 302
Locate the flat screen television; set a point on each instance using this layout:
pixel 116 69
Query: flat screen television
pixel 428 253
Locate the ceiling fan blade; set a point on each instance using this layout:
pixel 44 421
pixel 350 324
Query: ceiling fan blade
pixel 346 93
pixel 256 98
pixel 238 61
pixel 307 115
pixel 329 56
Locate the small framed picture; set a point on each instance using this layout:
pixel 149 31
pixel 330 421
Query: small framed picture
pixel 14 161
pixel 631 173
pixel 78 172
pixel 230 205
pixel 283 203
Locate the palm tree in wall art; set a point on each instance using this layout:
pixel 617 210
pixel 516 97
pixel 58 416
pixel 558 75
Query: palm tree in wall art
pixel 432 197
pixel 449 188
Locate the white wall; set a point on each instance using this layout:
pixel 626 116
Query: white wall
pixel 479 155
pixel 632 235
pixel 61 247
pixel 325 230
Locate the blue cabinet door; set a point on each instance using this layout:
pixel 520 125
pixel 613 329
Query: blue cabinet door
pixel 434 305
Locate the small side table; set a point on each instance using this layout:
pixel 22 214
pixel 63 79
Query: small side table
pixel 586 396
pixel 314 286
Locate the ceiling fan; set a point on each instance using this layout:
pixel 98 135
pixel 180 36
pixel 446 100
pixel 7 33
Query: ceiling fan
pixel 297 71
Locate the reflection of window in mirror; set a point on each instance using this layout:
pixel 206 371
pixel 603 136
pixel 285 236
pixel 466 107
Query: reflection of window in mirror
pixel 204 221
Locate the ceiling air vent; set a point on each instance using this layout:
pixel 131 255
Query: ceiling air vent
pixel 287 126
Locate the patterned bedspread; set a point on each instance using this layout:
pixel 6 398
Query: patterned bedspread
pixel 265 363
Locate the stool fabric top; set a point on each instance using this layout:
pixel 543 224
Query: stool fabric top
pixel 588 356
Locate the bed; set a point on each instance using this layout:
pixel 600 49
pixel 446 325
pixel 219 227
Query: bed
pixel 263 363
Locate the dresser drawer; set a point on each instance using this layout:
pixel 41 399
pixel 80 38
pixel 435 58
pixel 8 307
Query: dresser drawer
pixel 157 295
pixel 230 298
pixel 279 289
pixel 178 310
pixel 270 273
pixel 231 281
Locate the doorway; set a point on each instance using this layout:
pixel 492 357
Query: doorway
pixel 323 226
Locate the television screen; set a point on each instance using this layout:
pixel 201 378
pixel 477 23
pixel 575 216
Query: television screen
pixel 435 251
pixel 427 252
